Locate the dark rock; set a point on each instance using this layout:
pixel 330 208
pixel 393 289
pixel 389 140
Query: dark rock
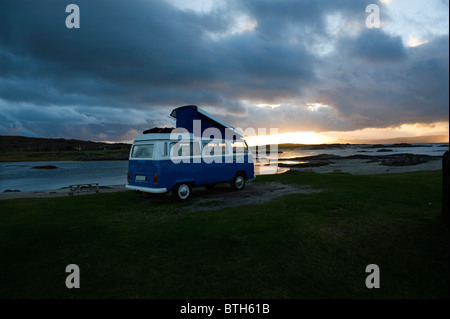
pixel 308 164
pixel 360 156
pixel 45 167
pixel 11 190
pixel 403 145
pixel 384 150
pixel 406 160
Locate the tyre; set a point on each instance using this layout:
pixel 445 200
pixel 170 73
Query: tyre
pixel 182 191
pixel 238 182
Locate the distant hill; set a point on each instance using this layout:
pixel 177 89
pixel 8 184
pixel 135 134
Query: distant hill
pixel 33 144
pixel 415 139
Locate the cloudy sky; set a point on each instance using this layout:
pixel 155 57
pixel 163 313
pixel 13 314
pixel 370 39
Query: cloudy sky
pixel 305 66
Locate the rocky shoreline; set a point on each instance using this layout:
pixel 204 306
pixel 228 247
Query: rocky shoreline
pixel 404 159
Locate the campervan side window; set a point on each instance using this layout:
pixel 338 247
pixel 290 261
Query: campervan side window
pixel 142 151
pixel 214 148
pixel 239 147
pixel 184 148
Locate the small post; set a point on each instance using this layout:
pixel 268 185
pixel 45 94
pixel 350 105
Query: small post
pixel 445 180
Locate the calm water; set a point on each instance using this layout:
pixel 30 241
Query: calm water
pixel 22 176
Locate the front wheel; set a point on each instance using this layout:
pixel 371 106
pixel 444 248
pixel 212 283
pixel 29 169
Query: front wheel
pixel 238 182
pixel 182 191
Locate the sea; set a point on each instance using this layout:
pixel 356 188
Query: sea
pixel 22 176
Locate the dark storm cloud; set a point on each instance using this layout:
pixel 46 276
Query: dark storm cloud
pixel 302 18
pixel 358 93
pixel 146 43
pixel 374 45
pixel 389 93
pixel 131 62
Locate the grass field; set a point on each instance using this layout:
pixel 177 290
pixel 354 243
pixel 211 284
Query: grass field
pixel 26 149
pixel 297 246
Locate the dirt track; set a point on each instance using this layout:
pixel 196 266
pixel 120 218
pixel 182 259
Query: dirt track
pixel 221 196
pixel 254 193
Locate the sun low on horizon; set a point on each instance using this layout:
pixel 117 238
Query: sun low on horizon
pixel 288 138
pixel 418 133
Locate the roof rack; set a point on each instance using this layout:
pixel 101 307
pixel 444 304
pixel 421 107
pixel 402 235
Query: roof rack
pixel 159 130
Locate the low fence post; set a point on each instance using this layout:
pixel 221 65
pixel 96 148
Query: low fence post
pixel 445 178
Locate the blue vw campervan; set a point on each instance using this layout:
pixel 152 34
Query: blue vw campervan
pixel 200 151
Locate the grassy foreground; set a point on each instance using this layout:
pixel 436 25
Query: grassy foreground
pixel 297 246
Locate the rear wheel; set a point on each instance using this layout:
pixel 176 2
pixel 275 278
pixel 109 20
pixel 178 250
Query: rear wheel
pixel 182 191
pixel 238 182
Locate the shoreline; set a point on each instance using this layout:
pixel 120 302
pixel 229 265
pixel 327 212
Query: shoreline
pixel 60 192
pixel 354 166
pixel 363 164
pixel 369 167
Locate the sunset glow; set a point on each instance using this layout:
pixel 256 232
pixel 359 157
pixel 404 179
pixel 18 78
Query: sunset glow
pixel 402 131
pixel 439 130
pixel 296 138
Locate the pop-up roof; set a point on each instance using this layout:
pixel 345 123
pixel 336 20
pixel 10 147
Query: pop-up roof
pixel 185 116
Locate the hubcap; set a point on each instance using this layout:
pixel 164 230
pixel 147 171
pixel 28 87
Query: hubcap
pixel 239 182
pixel 183 191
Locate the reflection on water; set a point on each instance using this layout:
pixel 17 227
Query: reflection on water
pixel 269 170
pixel 291 162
